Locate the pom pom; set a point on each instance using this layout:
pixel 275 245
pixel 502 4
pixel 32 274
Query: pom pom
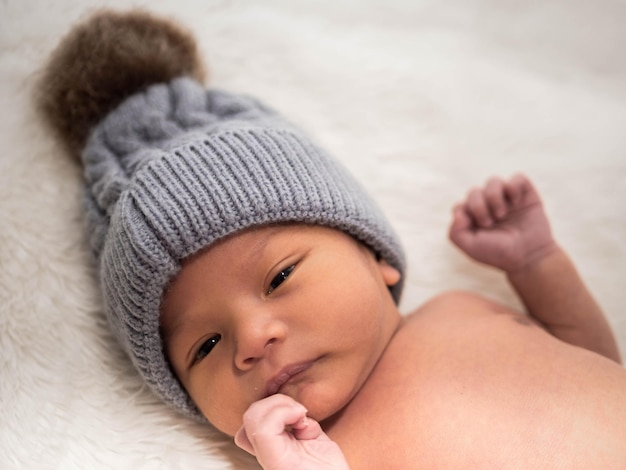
pixel 106 59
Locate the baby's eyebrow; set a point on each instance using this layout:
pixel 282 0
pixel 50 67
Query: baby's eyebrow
pixel 258 249
pixel 256 254
pixel 169 333
pixel 179 324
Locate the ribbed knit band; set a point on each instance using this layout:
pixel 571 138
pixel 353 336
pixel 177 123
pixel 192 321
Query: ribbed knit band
pixel 177 168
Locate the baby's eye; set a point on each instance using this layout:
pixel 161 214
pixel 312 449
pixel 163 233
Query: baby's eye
pixel 280 278
pixel 206 347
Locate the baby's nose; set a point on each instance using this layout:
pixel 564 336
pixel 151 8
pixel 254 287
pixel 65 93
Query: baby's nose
pixel 255 337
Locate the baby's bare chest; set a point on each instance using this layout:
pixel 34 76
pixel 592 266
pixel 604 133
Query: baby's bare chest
pixel 489 391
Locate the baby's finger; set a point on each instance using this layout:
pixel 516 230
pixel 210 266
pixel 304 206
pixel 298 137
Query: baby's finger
pixel 263 433
pixel 495 197
pixel 477 208
pixel 242 441
pixel 460 232
pixel 520 191
pixel 460 219
pixel 307 428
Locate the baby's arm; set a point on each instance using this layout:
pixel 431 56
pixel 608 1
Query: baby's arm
pixel 277 431
pixel 504 225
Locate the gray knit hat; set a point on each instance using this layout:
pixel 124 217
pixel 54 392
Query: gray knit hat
pixel 176 167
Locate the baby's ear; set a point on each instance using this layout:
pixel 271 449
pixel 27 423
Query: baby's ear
pixel 391 275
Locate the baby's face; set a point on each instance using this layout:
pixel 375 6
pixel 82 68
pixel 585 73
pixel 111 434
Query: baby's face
pixel 294 309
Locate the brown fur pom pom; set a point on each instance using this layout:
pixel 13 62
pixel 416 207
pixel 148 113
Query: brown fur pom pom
pixel 106 59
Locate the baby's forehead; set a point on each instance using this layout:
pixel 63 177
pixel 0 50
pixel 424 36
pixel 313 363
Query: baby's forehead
pixel 233 259
pixel 241 256
pixel 257 238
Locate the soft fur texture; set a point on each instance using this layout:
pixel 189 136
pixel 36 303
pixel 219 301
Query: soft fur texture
pixel 420 99
pixel 105 59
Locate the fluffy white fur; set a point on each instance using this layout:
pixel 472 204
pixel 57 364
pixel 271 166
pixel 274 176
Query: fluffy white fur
pixel 420 98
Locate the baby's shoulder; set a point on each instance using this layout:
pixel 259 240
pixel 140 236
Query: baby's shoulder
pixel 452 304
pixel 457 318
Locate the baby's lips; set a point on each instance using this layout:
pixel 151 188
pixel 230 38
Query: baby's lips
pixel 274 385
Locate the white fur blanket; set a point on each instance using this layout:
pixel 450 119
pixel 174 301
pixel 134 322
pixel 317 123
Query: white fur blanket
pixel 420 98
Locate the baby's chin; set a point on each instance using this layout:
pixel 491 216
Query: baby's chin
pixel 228 425
pixel 321 406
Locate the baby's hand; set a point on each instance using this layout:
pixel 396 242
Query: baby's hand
pixel 277 431
pixel 503 225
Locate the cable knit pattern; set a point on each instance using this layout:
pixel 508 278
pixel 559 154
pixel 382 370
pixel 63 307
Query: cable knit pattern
pixel 177 167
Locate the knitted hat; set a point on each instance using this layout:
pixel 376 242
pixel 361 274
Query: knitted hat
pixel 176 167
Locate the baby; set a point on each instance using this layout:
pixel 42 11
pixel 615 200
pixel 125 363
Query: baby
pixel 254 284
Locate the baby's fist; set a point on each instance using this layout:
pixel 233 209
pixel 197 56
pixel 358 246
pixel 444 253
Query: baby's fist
pixel 503 224
pixel 277 431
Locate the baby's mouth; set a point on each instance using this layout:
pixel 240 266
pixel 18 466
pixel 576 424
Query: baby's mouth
pixel 284 376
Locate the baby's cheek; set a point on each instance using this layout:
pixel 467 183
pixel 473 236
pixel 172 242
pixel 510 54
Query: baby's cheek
pixel 221 402
pixel 227 421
